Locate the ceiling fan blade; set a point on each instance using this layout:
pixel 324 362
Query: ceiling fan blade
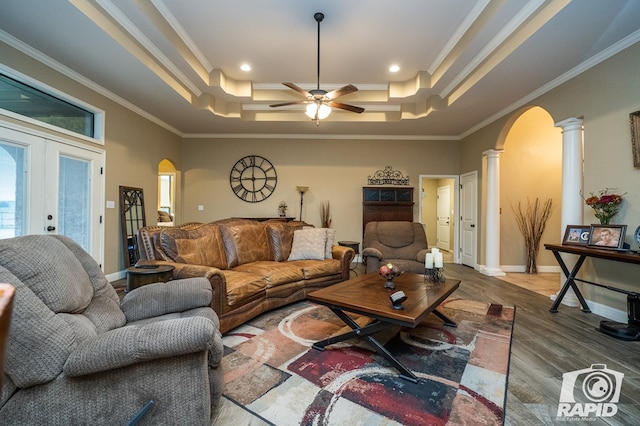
pixel 347 107
pixel 288 103
pixel 298 89
pixel 345 90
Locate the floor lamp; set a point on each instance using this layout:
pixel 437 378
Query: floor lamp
pixel 302 190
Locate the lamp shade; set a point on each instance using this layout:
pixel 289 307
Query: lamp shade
pixel 323 113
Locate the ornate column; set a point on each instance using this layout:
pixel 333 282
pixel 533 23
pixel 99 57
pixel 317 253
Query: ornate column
pixel 492 225
pixel 572 182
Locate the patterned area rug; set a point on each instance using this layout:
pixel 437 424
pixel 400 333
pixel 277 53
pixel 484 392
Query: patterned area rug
pixel 271 369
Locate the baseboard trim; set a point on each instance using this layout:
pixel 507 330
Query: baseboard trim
pixel 120 275
pixel 522 268
pixel 608 312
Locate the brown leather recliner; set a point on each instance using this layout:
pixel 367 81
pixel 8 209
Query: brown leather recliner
pixel 402 243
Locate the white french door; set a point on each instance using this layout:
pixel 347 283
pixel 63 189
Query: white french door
pixel 51 187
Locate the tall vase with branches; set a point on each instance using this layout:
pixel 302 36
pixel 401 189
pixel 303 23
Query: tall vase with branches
pixel 532 219
pixel 325 214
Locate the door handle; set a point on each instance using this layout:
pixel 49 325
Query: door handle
pixel 472 226
pixel 51 228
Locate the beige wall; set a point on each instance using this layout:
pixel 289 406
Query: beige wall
pixel 334 171
pixel 604 96
pixel 531 168
pixel 134 147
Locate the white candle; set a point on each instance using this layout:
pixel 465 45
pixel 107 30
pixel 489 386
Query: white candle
pixel 428 261
pixel 438 260
pixel 434 250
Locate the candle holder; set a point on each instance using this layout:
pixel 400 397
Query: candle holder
pixel 434 275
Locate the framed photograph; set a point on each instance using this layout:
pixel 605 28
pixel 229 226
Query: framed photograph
pixel 607 236
pixel 577 235
pixel 634 118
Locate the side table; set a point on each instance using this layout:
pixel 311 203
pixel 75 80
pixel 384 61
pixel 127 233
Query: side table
pixel 139 276
pixel 356 248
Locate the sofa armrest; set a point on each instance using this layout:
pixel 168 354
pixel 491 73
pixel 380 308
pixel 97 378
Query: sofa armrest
pixel 372 258
pixel 421 255
pixel 215 277
pixel 345 255
pixel 134 344
pixel 372 252
pixel 164 298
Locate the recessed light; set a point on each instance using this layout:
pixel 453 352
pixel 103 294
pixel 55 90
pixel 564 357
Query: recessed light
pixel 394 68
pixel 245 67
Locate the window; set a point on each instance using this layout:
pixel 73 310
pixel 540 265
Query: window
pixel 31 102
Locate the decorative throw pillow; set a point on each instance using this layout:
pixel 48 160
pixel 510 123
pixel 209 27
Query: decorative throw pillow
pixel 308 243
pixel 331 236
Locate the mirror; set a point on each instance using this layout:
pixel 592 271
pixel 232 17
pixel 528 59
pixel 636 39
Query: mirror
pixel 132 218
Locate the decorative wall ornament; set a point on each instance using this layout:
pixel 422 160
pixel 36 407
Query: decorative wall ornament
pixel 634 118
pixel 388 176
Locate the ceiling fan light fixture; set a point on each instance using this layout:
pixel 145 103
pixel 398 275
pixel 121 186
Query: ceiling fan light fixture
pixel 322 110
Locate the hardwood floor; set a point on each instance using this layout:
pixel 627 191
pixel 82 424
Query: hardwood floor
pixel 546 345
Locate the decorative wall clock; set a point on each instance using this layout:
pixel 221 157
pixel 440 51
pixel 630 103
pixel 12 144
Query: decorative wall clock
pixel 253 178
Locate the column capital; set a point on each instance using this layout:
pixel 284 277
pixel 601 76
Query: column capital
pixel 572 123
pixel 493 153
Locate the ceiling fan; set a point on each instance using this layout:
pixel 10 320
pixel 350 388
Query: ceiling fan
pixel 319 102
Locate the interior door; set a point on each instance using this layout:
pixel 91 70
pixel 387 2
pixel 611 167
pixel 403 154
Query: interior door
pixel 468 219
pixel 443 209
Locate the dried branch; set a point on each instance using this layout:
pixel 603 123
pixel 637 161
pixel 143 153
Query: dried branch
pixel 325 214
pixel 532 220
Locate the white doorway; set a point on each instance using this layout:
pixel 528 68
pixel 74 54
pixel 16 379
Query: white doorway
pixel 434 211
pixel 468 219
pixel 443 217
pixel 51 187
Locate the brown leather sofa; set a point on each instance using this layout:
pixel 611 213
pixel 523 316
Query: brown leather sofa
pixel 246 262
pixel 402 243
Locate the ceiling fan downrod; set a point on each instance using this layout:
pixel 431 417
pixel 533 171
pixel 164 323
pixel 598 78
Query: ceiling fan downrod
pixel 318 16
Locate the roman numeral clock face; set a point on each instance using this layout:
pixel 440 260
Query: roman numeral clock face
pixel 253 178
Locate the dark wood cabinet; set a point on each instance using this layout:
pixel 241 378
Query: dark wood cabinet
pixel 386 204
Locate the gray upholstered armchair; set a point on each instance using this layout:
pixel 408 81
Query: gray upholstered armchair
pixel 76 355
pixel 402 243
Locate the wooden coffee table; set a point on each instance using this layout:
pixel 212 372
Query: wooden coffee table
pixel 366 295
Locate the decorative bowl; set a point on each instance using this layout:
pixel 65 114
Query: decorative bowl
pixel 389 272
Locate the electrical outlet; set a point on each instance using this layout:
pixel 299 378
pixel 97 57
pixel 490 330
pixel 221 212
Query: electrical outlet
pixel 200 207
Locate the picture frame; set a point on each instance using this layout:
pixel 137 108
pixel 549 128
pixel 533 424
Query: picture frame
pixel 577 235
pixel 634 119
pixel 610 237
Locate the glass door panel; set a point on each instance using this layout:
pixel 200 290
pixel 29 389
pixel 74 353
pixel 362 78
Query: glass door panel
pixel 74 200
pixel 13 198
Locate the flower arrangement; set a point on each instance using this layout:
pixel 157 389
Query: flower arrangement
pixel 389 272
pixel 605 204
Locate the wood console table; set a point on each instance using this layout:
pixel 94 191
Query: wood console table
pixel 630 331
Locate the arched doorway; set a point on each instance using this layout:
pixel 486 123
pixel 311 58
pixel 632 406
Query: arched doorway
pixel 530 169
pixel 167 192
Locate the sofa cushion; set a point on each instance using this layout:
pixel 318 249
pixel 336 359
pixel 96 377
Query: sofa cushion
pixel 395 234
pixel 199 245
pixel 197 251
pixel 308 243
pixel 245 242
pixel 47 267
pixel 318 268
pixel 242 285
pixel 281 236
pixel 331 237
pixel 274 273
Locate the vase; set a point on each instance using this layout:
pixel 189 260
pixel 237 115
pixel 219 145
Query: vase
pixel 605 220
